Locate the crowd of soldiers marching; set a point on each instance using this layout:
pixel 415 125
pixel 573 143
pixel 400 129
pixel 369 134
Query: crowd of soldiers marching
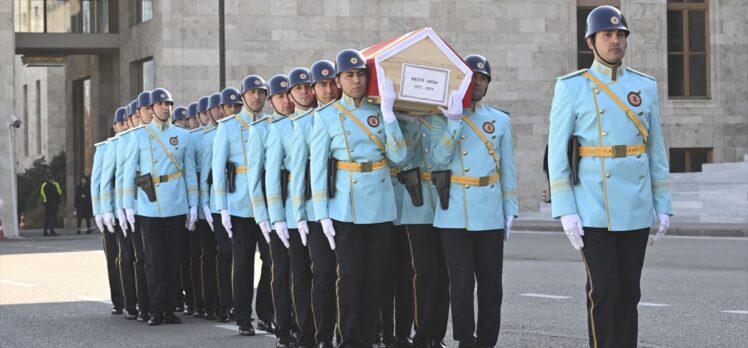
pixel 368 222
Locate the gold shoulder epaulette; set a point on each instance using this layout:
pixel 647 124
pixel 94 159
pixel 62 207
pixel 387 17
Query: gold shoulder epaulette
pixel 640 73
pixel 578 72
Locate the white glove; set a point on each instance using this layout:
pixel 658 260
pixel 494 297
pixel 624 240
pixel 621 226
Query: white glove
pixel 454 107
pixel 130 217
pixel 303 231
pixel 387 101
pixel 109 221
pixel 329 231
pixel 99 222
pixel 208 217
pixel 281 228
pixel 122 221
pixel 662 229
pixel 508 226
pixel 265 229
pixel 226 221
pixel 192 218
pixel 573 228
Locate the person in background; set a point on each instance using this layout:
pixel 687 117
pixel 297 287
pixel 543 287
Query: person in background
pixel 83 204
pixel 51 194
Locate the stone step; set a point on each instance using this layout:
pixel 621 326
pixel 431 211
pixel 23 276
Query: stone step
pixel 728 166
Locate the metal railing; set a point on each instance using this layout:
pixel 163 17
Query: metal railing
pixel 62 16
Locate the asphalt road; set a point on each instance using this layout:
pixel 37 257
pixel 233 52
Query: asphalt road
pixel 53 292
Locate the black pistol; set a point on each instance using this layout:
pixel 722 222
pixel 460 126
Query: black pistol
pixel 145 182
pixel 573 152
pixel 332 172
pixel 411 179
pixel 441 180
pixel 231 176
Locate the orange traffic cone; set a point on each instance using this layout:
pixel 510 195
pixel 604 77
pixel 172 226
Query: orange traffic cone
pixel 2 234
pixel 23 223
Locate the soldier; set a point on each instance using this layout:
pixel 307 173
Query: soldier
pixel 358 206
pixel 230 164
pixel 111 181
pixel 611 114
pixel 276 182
pixel 322 258
pixel 220 237
pixel 110 241
pixel 202 111
pixel 167 197
pixel 190 292
pixel 478 202
pixel 192 116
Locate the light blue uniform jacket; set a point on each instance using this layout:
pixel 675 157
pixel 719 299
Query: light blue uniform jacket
pixel 109 188
pixel 256 150
pixel 98 161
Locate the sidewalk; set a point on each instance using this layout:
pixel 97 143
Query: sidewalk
pixel 64 234
pixel 677 229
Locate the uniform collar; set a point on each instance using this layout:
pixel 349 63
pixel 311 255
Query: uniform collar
pixel 276 116
pixel 250 115
pixel 477 105
pixel 351 103
pixel 156 126
pixel 613 74
pixel 299 111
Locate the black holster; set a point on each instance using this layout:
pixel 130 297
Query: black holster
pixel 332 172
pixel 441 178
pixel 411 179
pixel 145 182
pixel 307 182
pixel 231 176
pixel 284 185
pixel 573 153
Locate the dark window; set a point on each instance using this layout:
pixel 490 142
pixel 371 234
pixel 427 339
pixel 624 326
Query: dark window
pixel 38 110
pixel 142 76
pixel 585 57
pixel 688 48
pixel 685 160
pixel 141 11
pixel 26 119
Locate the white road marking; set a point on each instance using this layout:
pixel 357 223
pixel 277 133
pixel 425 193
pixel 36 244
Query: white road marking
pixel 555 297
pixel 736 312
pixel 25 285
pixel 235 328
pixel 95 299
pixel 648 304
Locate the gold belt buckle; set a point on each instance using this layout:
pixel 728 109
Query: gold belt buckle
pixel 483 181
pixel 366 166
pixel 619 151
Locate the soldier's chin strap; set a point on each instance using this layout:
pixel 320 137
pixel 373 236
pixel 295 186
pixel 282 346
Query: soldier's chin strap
pixel 614 71
pixel 307 107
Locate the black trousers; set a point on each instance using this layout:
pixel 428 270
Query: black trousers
pixel 141 283
pixel 264 300
pixel 613 261
pixel 207 267
pixel 397 297
pixel 361 251
pixel 430 282
pixel 115 284
pixel 50 217
pixel 324 276
pixel 224 264
pixel 243 243
pixel 475 256
pixel 185 293
pixel 125 263
pixel 301 288
pixel 192 282
pixel 280 286
pixel 88 222
pixel 164 249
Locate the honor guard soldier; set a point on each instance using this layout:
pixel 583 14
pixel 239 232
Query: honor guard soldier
pixel 190 292
pixel 202 111
pixel 163 178
pixel 192 116
pixel 111 181
pixel 478 202
pixel 110 240
pixel 222 239
pixel 607 117
pixel 254 95
pixel 352 142
pixel 230 164
pixel 322 257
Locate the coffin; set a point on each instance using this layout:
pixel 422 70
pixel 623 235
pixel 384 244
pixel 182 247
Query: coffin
pixel 424 70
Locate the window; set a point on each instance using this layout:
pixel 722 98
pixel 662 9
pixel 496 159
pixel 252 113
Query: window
pixel 26 119
pixel 142 76
pixel 38 117
pixel 82 99
pixel 584 53
pixel 142 11
pixel 688 48
pixel 685 160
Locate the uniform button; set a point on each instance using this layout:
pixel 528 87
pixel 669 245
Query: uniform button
pixel 428 166
pixel 466 170
pixel 379 131
pixel 607 175
pixel 493 137
pixel 602 110
pixel 354 181
pixel 381 180
pixel 491 185
pixel 426 150
pixel 641 176
pixel 596 90
pixel 641 113
pixel 604 133
pixel 463 136
pixel 464 153
pixel 638 155
pixel 347 132
pixel 423 135
pixel 467 186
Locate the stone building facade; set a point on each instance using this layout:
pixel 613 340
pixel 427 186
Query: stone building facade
pixel 176 44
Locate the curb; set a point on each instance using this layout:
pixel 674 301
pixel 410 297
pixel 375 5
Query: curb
pixel 696 229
